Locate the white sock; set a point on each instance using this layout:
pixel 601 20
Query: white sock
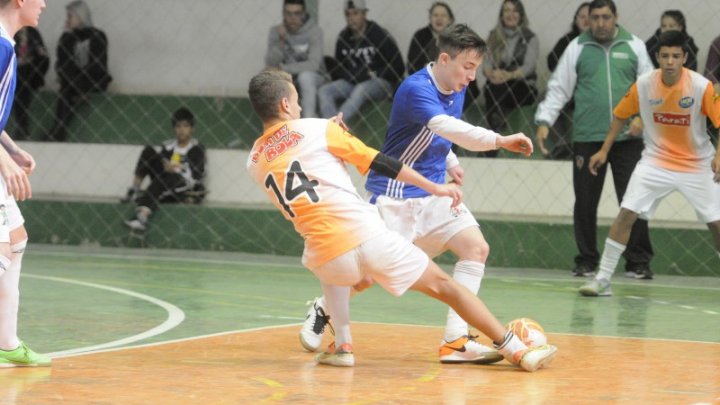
pixel 468 274
pixel 9 302
pixel 337 305
pixel 511 345
pixel 142 214
pixel 610 257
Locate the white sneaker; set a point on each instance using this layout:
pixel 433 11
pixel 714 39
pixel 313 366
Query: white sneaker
pixel 312 330
pixel 342 357
pixel 467 350
pixel 596 288
pixel 535 358
pixel 135 224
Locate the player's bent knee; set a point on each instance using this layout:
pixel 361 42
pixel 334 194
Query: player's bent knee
pixel 626 218
pixel 434 282
pixel 478 253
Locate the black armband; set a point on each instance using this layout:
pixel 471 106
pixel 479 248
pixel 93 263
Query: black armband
pixel 386 165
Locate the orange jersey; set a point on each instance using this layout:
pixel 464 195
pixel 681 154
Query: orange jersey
pixel 674 117
pixel 301 166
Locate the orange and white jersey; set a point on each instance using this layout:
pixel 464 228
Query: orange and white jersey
pixel 301 166
pixel 674 118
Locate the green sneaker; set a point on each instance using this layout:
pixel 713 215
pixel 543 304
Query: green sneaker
pixel 23 356
pixel 596 288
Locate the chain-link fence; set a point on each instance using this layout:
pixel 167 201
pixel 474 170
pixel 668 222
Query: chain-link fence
pixel 171 53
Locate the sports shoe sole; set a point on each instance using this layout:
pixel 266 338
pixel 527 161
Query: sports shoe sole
pixel 589 292
pixel 11 364
pixel 489 358
pixel 307 346
pixel 336 360
pixel 541 363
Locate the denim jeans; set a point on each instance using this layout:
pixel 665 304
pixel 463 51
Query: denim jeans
pixel 308 83
pixel 353 96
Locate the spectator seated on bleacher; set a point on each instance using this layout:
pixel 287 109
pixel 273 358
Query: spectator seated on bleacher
pixel 369 63
pixel 509 66
pixel 296 47
pixel 176 172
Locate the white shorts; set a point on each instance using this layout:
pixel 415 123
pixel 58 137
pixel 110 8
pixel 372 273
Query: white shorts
pixel 649 185
pixel 393 262
pixel 10 216
pixel 429 222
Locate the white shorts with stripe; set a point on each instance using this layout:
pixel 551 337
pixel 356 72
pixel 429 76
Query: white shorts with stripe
pixel 429 222
pixel 650 184
pixel 393 262
pixel 10 216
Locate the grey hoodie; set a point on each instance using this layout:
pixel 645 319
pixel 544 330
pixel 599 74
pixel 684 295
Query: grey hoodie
pixel 301 51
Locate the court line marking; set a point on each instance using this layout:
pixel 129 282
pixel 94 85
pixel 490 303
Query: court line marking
pixel 103 347
pixel 501 277
pixel 175 316
pixel 263 328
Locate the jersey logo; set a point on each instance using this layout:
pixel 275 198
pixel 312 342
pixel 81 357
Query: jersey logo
pixel 277 144
pixel 656 101
pixel 681 120
pixel 686 102
pixel 620 55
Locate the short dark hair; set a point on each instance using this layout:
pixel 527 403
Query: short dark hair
pixel 459 38
pixel 266 90
pixel 297 2
pixel 183 114
pixel 676 15
pixel 673 38
pixel 603 3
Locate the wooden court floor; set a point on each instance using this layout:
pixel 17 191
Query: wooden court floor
pixel 139 327
pixel 395 364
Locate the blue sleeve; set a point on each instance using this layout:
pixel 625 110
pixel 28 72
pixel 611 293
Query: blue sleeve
pixel 6 54
pixel 7 80
pixel 422 103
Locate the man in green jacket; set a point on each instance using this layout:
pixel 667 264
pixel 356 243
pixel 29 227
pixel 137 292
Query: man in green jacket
pixel 597 68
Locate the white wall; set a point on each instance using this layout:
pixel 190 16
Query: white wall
pixel 509 188
pixel 213 47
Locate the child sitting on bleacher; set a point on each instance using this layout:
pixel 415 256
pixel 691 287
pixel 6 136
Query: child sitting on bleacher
pixel 176 172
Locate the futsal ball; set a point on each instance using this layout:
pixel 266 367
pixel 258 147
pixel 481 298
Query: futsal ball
pixel 528 331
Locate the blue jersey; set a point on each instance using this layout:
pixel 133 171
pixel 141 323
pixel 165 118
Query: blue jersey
pixel 408 138
pixel 7 80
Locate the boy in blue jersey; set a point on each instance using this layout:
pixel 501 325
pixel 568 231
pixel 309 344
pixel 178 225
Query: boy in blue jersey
pixel 15 166
pixel 424 123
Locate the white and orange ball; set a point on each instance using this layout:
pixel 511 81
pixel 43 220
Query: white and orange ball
pixel 528 331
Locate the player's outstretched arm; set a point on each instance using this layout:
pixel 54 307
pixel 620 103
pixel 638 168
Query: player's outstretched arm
pixel 410 176
pixel 395 169
pixel 478 139
pixel 518 143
